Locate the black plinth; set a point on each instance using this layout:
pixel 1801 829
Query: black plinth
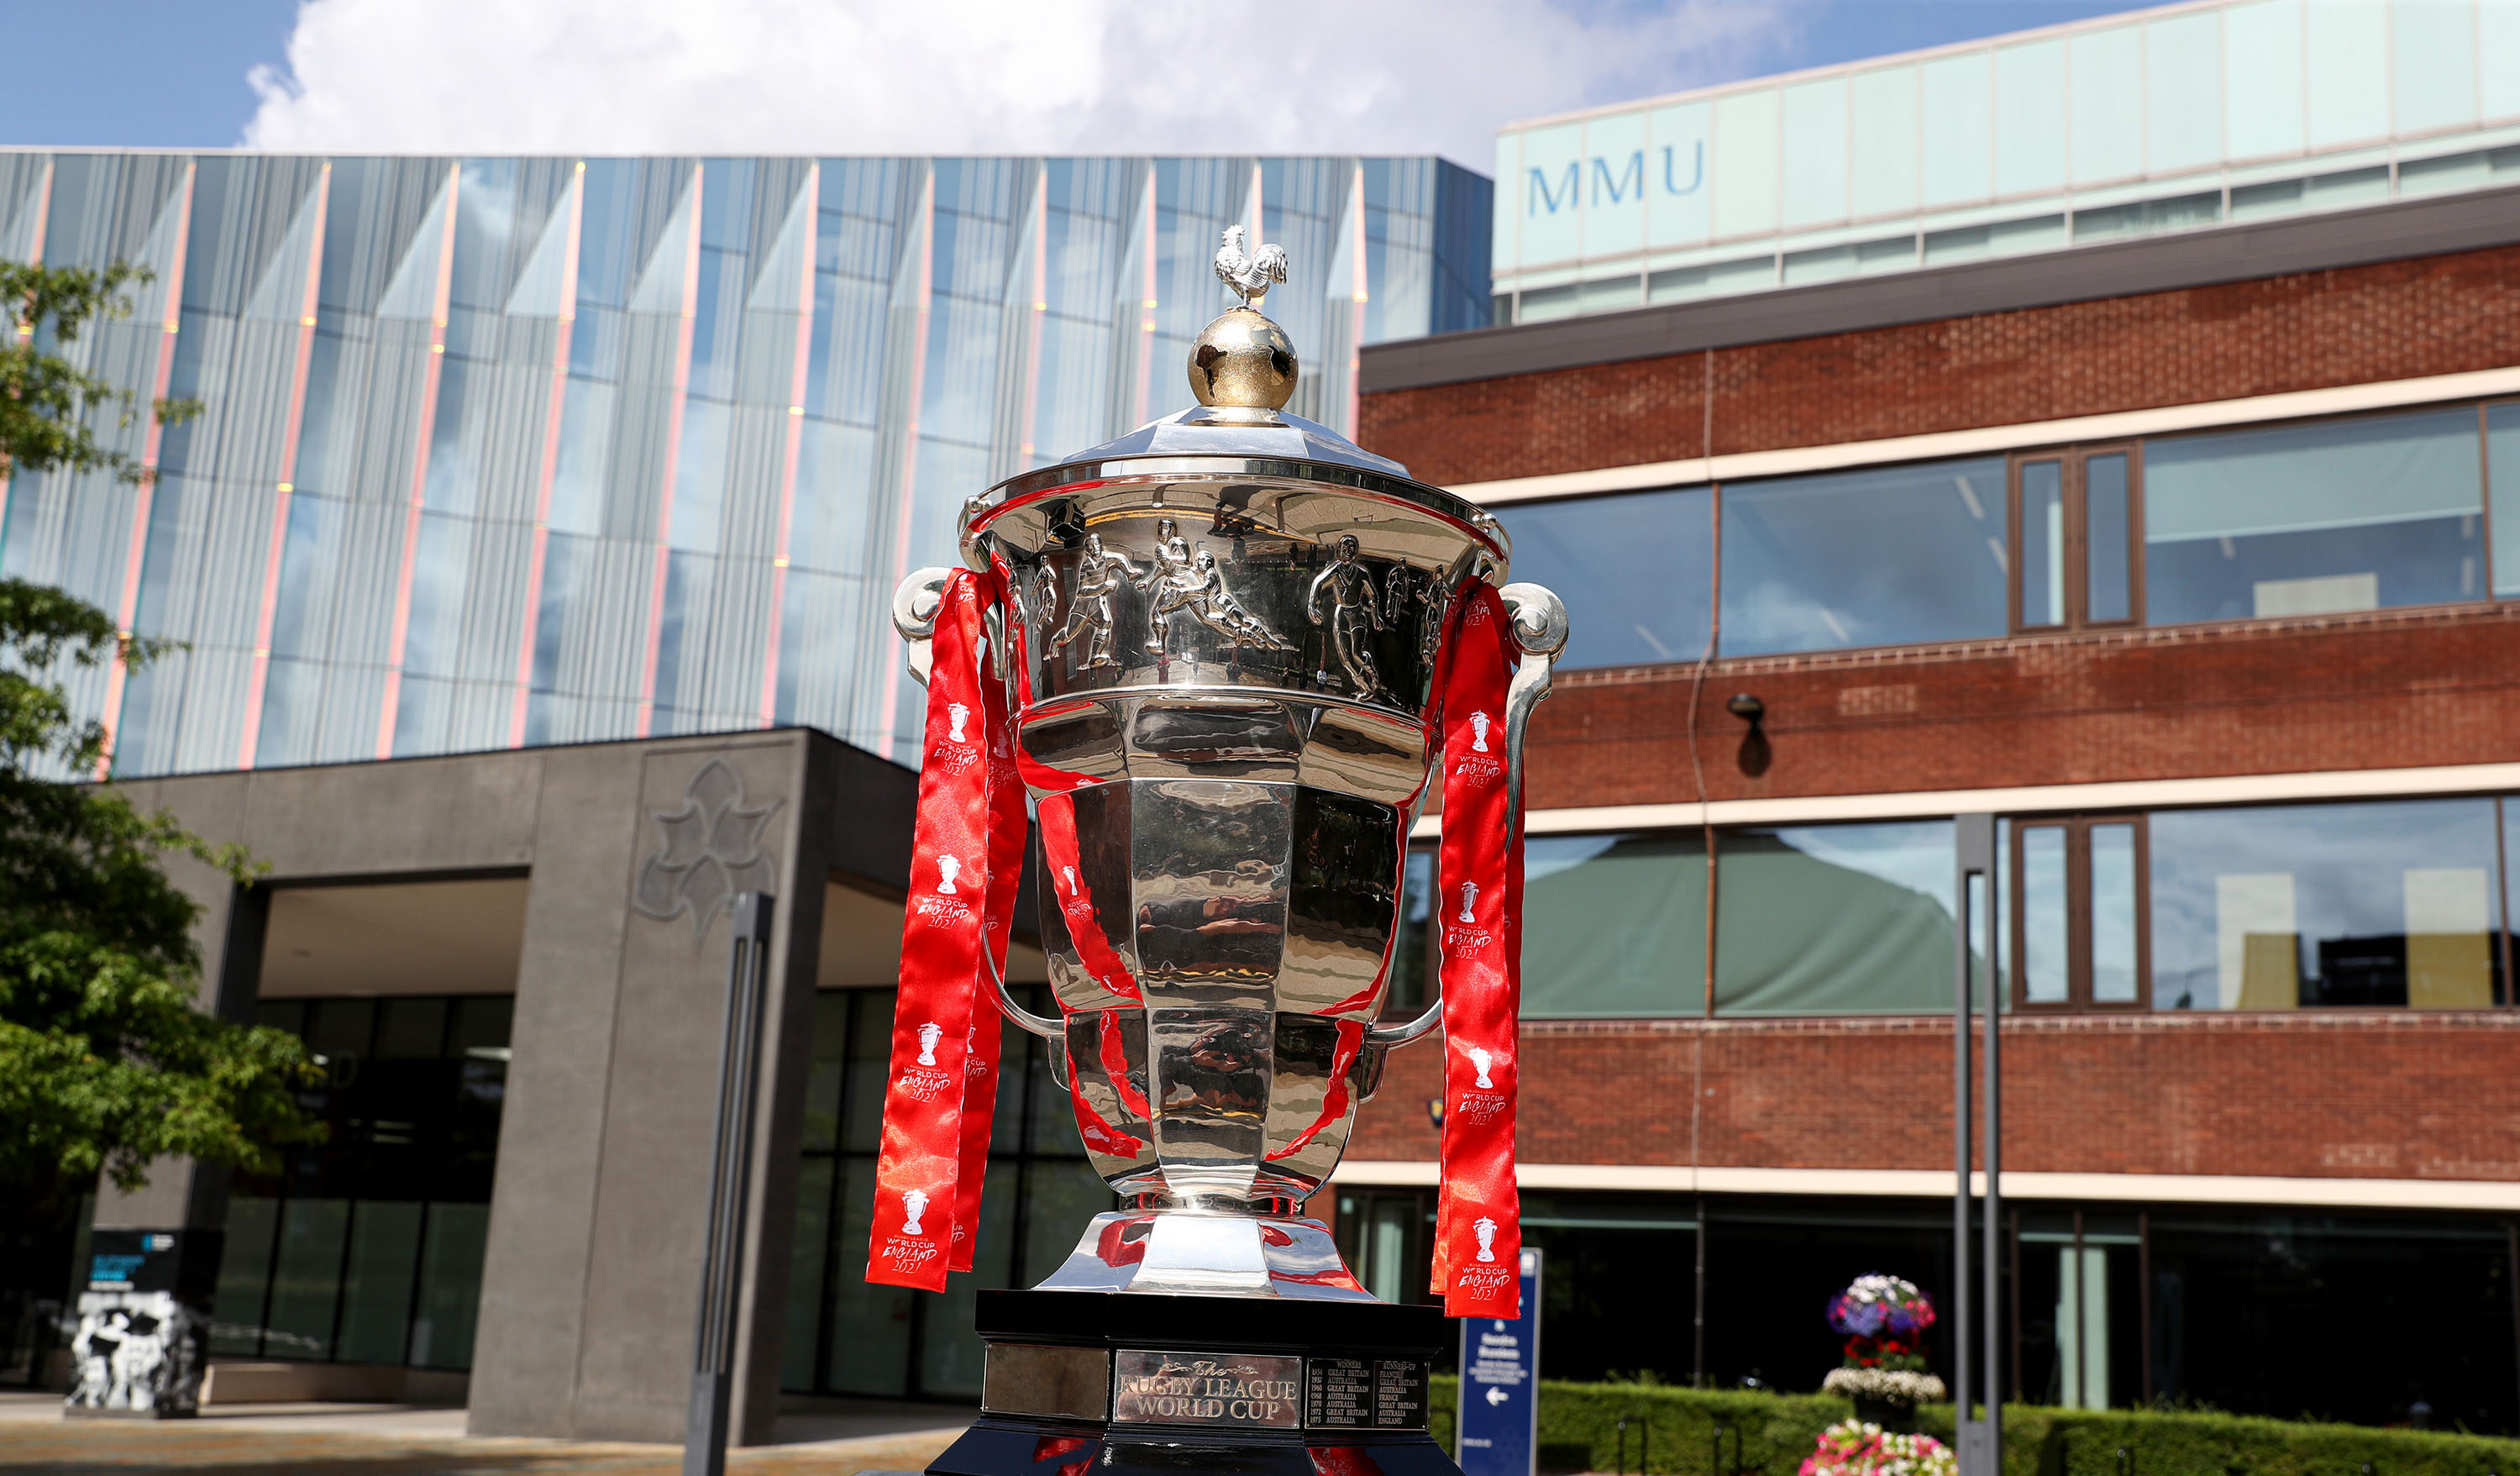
pixel 1108 1383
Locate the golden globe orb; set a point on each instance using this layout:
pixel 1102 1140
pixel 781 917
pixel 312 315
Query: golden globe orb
pixel 1243 361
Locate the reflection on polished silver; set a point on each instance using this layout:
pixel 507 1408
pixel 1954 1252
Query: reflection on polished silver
pixel 1235 618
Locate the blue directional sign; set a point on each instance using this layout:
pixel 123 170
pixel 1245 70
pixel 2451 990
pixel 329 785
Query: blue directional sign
pixel 1500 1427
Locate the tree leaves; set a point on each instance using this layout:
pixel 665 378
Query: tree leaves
pixel 107 1060
pixel 49 408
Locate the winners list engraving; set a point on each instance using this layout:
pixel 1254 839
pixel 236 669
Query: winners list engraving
pixel 1357 1392
pixel 1242 1390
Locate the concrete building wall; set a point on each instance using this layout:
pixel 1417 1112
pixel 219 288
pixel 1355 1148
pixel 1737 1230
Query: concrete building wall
pixel 632 851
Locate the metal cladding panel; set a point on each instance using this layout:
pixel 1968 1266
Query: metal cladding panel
pixel 576 449
pixel 74 529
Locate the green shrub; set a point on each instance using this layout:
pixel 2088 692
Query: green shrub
pixel 1579 1429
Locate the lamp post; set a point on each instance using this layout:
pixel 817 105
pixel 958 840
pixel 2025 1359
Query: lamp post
pixel 1975 938
pixel 721 1261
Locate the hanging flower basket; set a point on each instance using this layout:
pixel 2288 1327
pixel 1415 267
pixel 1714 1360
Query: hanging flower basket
pixel 1883 1320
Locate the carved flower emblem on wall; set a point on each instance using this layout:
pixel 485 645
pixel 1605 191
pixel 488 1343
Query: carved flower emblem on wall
pixel 706 851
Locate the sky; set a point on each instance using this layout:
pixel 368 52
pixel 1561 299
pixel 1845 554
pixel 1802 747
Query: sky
pixel 883 77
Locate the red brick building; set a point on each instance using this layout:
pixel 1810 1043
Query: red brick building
pixel 2195 560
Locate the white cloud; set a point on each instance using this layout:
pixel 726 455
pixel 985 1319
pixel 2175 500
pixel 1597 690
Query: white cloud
pixel 980 77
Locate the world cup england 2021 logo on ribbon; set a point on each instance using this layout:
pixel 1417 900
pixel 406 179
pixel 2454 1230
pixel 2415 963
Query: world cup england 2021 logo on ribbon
pixel 910 1248
pixel 1464 934
pixel 1477 762
pixel 1483 1100
pixel 924 1079
pixel 955 753
pixel 1488 1274
pixel 943 903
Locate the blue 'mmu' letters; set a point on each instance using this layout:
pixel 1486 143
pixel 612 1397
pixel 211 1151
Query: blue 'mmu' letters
pixel 1615 189
pixel 1542 194
pixel 1696 174
pixel 1633 177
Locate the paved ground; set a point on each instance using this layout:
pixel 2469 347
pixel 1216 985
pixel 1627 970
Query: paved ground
pixel 835 1437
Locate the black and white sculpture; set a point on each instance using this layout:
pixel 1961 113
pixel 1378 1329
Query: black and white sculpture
pixel 143 1340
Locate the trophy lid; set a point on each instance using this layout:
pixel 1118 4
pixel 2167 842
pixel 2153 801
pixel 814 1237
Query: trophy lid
pixel 1280 437
pixel 1244 371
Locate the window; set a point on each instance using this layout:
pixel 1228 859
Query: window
pixel 1836 920
pixel 367 1248
pixel 2369 513
pixel 1887 555
pixel 2073 517
pixel 2310 520
pixel 846 1335
pixel 2078 912
pixel 1613 927
pixel 1639 567
pixel 2503 463
pixel 2285 906
pixel 1386 1236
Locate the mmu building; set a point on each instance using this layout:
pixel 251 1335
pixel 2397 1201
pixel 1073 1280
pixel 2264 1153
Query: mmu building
pixel 2087 456
pixel 2112 429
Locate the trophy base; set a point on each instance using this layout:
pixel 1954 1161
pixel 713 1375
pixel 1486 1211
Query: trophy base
pixel 1196 1253
pixel 1102 1386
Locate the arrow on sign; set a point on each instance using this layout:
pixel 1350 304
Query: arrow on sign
pixel 1495 1396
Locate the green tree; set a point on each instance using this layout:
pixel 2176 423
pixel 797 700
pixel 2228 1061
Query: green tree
pixel 106 1060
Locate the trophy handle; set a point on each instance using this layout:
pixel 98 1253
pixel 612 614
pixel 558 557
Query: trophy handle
pixel 914 614
pixel 1039 1024
pixel 915 603
pixel 1540 629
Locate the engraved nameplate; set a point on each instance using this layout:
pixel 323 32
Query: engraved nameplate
pixel 1354 1393
pixel 1239 1390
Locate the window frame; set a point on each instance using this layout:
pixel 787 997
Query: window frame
pixel 2076 829
pixel 2073 478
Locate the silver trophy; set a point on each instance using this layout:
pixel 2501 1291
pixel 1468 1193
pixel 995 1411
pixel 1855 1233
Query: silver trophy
pixel 1231 618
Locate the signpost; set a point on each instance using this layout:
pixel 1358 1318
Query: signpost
pixel 1500 1416
pixel 1977 972
pixel 705 1433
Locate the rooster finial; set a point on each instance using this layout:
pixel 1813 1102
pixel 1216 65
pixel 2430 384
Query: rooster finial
pixel 1248 275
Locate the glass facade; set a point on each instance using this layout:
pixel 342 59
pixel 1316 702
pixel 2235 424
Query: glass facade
pixel 846 1335
pixel 2107 1306
pixel 2311 517
pixel 1886 556
pixel 2182 117
pixel 367 1248
pixel 2394 904
pixel 506 451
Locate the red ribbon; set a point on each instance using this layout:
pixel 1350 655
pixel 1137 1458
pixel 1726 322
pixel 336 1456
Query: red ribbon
pixel 1479 1217
pixel 967 856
